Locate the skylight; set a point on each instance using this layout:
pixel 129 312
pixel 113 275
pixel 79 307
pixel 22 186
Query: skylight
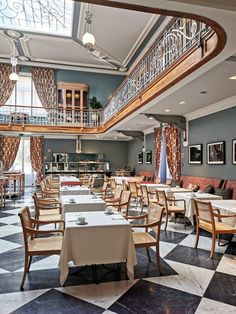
pixel 41 16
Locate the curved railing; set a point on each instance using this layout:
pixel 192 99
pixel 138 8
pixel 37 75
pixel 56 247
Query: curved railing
pixel 178 39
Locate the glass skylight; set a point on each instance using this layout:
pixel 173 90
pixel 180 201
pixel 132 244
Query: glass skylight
pixel 41 16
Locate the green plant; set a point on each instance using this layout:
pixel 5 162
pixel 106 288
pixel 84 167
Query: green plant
pixel 94 103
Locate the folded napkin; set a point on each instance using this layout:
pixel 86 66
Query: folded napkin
pixel 118 217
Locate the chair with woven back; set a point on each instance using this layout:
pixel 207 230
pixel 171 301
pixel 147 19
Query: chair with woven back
pixel 153 219
pixel 114 197
pixel 169 203
pixel 135 192
pixel 44 210
pixel 123 204
pixel 210 219
pixel 124 185
pixel 168 182
pixel 47 192
pixel 101 192
pixel 113 184
pixel 147 196
pixel 34 245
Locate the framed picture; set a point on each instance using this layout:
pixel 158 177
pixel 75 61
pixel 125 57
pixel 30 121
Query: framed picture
pixel 234 152
pixel 148 157
pixel 195 154
pixel 140 158
pixel 216 153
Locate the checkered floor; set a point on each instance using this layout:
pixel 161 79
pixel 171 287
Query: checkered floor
pixel 191 281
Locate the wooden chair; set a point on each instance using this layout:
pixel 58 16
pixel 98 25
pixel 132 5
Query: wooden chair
pixel 34 245
pixel 135 192
pixel 112 184
pixel 44 210
pixel 153 221
pixel 123 204
pixel 115 197
pixel 157 180
pixel 47 192
pixel 124 185
pixel 210 220
pixel 169 204
pixel 102 192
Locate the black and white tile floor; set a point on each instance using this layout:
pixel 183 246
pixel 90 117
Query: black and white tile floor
pixel 191 281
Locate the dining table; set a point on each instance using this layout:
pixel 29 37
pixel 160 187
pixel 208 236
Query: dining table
pixel 226 207
pixel 81 203
pixel 189 203
pixel 171 190
pixel 74 190
pixel 153 186
pixel 102 239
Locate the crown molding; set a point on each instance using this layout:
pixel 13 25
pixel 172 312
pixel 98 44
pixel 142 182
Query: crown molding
pixel 216 107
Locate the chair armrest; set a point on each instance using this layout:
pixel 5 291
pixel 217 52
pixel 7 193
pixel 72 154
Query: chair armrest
pixel 34 231
pixel 137 217
pixel 114 200
pixel 120 204
pixel 224 216
pixel 47 208
pixel 45 222
pixel 179 200
pixel 148 225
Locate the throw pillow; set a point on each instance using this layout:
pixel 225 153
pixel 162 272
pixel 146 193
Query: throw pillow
pixel 193 187
pixel 227 194
pixel 209 189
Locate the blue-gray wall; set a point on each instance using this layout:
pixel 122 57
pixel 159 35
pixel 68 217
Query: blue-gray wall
pixel 100 85
pixel 114 151
pixel 220 126
pixel 136 146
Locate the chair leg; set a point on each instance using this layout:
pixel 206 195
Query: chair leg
pixel 167 216
pixel 213 245
pixel 158 258
pixel 197 237
pixel 184 221
pixel 29 263
pixel 25 272
pixel 148 254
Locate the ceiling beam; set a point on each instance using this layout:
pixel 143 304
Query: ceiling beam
pixel 178 121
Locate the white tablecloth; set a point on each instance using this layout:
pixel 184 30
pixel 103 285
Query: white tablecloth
pixel 82 203
pixel 119 179
pixel 226 207
pixel 69 179
pixel 190 207
pixel 102 241
pixel 75 190
pixel 154 186
pixel 170 191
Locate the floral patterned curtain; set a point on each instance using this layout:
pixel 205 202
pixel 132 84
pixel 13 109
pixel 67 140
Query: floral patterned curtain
pixel 36 156
pixel 45 85
pixel 173 153
pixel 6 85
pixel 157 149
pixel 9 146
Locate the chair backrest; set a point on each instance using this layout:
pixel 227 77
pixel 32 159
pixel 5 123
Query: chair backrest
pixel 133 187
pixel 124 185
pixel 112 183
pixel 161 197
pixel 144 191
pixel 157 180
pixel 155 214
pixel 125 199
pixel 26 222
pixel 204 212
pixel 117 192
pixel 36 204
pixel 168 181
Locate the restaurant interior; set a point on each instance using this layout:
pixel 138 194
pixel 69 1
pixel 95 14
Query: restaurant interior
pixel 117 156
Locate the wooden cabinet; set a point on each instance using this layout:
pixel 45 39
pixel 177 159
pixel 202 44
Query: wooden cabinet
pixel 72 102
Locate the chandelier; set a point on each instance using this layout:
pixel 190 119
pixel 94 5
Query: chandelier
pixel 88 39
pixel 13 76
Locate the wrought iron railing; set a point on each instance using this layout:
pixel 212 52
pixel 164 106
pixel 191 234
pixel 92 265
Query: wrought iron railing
pixel 177 40
pixel 181 36
pixel 50 116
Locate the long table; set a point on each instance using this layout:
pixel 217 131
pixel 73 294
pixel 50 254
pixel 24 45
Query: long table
pixel 102 241
pixel 82 203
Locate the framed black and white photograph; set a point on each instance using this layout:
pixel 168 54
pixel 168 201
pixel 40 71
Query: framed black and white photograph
pixel 234 152
pixel 195 154
pixel 140 158
pixel 148 157
pixel 216 153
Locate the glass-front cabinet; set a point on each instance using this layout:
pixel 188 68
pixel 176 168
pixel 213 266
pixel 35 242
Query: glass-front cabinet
pixel 72 102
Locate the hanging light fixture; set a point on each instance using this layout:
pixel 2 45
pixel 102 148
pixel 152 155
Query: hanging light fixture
pixel 13 76
pixel 88 39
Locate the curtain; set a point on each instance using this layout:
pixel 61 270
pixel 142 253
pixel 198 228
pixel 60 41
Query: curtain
pixel 157 149
pixel 45 85
pixel 173 153
pixel 9 146
pixel 36 156
pixel 6 86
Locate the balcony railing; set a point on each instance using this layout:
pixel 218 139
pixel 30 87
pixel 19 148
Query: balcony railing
pixel 178 39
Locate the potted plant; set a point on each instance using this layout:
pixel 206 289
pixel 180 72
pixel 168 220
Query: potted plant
pixel 94 103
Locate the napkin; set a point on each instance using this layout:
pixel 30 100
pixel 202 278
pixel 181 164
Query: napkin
pixel 118 217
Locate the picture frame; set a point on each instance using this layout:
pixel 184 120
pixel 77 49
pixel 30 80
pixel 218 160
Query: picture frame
pixel 148 157
pixel 140 158
pixel 216 153
pixel 195 154
pixel 234 152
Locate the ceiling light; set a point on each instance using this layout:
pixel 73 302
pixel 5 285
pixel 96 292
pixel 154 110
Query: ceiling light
pixel 150 118
pixel 182 102
pixel 203 92
pixel 232 78
pixel 14 76
pixel 167 110
pixel 88 39
pixel 115 137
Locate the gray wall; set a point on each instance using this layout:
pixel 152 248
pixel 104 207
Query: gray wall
pixel 136 146
pixel 100 85
pixel 115 152
pixel 212 128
